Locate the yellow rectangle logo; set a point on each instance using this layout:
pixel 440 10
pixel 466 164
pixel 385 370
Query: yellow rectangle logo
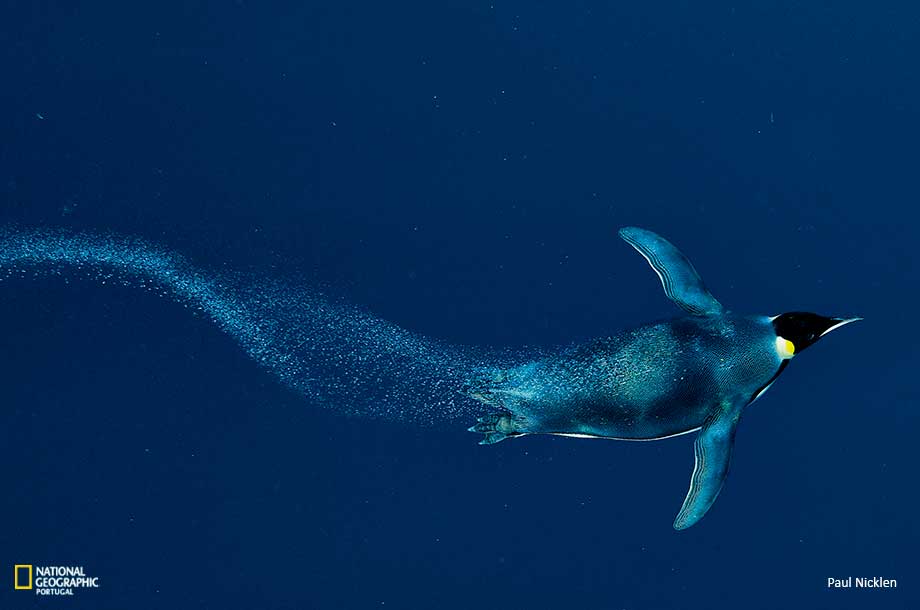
pixel 16 580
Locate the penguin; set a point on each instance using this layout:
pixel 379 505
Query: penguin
pixel 691 374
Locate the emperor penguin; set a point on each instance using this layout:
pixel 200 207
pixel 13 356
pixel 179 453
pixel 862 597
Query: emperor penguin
pixel 695 373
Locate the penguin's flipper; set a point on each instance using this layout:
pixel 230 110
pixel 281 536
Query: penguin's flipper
pixel 681 282
pixel 712 452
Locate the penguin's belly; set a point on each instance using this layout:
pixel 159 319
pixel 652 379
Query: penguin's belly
pixel 652 382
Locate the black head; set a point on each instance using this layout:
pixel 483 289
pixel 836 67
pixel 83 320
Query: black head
pixel 802 329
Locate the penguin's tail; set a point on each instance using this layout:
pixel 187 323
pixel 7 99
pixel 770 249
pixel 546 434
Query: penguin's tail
pixel 491 388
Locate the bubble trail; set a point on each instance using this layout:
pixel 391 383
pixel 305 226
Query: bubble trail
pixel 335 355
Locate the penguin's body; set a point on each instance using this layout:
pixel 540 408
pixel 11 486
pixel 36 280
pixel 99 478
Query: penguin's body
pixel 648 383
pixel 695 372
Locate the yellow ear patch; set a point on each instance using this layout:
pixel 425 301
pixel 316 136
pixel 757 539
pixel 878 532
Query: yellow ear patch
pixel 785 348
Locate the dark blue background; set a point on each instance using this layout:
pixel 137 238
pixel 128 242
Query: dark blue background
pixel 459 169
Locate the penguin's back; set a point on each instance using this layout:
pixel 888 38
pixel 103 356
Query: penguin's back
pixel 649 382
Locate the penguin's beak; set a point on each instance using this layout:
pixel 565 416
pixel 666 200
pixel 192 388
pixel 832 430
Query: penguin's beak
pixel 837 323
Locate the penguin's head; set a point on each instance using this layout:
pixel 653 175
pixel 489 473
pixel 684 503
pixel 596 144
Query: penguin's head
pixel 797 330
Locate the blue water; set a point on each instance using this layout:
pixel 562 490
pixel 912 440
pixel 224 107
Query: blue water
pixel 446 179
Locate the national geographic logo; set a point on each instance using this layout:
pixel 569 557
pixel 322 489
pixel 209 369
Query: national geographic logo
pixel 52 580
pixel 22 576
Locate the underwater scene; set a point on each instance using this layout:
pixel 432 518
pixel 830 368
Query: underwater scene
pixel 454 305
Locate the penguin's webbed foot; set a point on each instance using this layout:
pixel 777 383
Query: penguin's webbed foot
pixel 495 427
